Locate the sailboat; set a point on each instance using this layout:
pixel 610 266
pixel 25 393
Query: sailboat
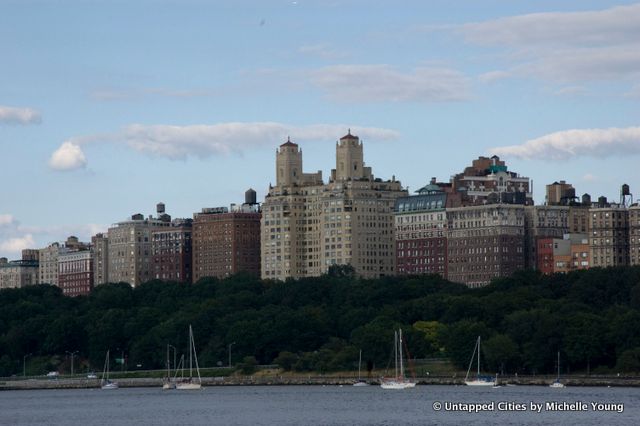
pixel 166 382
pixel 360 382
pixel 479 380
pixel 557 383
pixel 191 383
pixel 399 381
pixel 105 383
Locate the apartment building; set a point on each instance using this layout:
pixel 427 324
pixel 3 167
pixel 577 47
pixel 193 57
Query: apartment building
pixel 308 226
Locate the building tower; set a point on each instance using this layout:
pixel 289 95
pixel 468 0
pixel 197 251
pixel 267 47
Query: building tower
pixel 350 159
pixel 288 163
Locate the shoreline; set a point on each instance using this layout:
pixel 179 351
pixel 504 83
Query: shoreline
pixel 80 383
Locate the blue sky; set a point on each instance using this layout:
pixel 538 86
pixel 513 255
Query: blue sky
pixel 107 107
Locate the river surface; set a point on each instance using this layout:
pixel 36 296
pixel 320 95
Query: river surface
pixel 319 405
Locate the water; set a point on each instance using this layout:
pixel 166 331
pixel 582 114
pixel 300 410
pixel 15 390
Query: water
pixel 306 405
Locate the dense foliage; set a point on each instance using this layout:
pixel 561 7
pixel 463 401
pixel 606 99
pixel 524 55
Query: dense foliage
pixel 592 317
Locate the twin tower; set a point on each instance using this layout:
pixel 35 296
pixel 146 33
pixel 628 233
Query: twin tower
pixel 349 163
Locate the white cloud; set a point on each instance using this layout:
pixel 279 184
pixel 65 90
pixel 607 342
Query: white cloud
pixel 617 25
pixel 590 178
pixel 571 91
pixel 321 50
pixel 567 46
pixel 180 142
pixel 610 63
pixel 14 236
pixel 492 76
pixel 6 219
pixel 60 232
pixel 384 83
pixel 139 93
pixel 13 115
pixel 634 93
pixel 68 157
pixel 16 245
pixel 577 143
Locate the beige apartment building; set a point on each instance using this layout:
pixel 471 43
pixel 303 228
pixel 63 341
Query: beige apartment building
pixel 560 194
pixel 48 270
pixel 19 273
pixel 48 266
pixel 129 249
pixel 308 225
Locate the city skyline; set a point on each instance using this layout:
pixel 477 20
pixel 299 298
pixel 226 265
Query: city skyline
pixel 110 107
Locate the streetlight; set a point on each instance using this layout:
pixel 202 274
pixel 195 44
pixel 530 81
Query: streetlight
pixel 72 355
pixel 24 365
pixel 230 344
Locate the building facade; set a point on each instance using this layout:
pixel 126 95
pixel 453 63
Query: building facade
pixel 609 236
pixel 130 256
pixel 421 232
pixel 48 264
pixel 543 222
pixel 485 242
pixel 634 235
pixel 226 242
pixel 171 251
pixel 488 181
pixel 308 226
pixel 75 272
pixel 49 258
pixel 19 273
pixel 100 248
pixel 563 255
pixel 560 194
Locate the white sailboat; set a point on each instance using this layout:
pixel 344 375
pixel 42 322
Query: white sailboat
pixel 191 382
pixel 105 383
pixel 360 382
pixel 479 380
pixel 557 383
pixel 167 383
pixel 399 381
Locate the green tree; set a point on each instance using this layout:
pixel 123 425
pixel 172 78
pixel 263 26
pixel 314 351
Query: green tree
pixel 501 354
pixel 248 365
pixel 286 360
pixel 629 361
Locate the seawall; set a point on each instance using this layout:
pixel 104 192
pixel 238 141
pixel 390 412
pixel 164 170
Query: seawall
pixel 298 380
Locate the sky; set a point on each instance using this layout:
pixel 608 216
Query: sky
pixel 108 107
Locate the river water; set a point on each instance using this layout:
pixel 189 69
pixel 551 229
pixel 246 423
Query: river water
pixel 320 405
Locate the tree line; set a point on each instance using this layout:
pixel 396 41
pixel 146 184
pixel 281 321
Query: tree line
pixel 320 324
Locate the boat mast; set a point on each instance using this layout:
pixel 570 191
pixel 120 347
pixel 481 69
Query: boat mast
pixel 400 348
pixel 195 355
pixel 190 349
pixel 395 350
pixel 471 361
pixel 478 356
pixel 359 362
pixel 558 378
pixel 105 370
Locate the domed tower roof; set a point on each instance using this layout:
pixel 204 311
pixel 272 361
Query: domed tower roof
pixel 289 143
pixel 349 136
